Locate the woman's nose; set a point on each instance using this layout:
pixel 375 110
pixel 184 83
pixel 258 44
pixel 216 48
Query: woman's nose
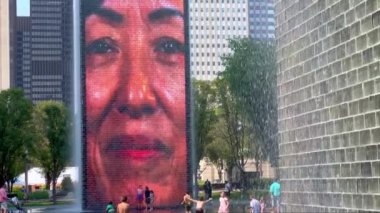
pixel 137 98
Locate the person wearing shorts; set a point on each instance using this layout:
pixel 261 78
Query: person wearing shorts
pixel 275 191
pixel 187 202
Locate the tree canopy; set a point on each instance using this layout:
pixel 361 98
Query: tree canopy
pixel 204 114
pixel 52 121
pixel 250 72
pixel 16 134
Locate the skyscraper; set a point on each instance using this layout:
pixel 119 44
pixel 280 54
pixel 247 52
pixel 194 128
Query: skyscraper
pixel 261 19
pixel 4 44
pixel 41 49
pixel 212 23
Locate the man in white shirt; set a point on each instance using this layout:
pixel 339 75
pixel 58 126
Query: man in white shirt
pixel 254 205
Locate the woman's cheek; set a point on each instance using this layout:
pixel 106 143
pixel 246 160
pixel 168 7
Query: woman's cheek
pixel 98 94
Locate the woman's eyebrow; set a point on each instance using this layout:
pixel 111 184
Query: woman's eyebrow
pixel 163 13
pixel 109 14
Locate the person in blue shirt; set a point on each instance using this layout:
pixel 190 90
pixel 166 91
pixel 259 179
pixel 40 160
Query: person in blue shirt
pixel 275 191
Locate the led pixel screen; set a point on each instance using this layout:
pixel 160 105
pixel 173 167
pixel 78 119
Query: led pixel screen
pixel 135 101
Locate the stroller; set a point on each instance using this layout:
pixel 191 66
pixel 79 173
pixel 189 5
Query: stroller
pixel 17 204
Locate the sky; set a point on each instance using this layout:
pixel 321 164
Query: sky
pixel 23 7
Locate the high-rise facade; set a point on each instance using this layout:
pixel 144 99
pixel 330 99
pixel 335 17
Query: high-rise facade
pixel 4 44
pixel 261 19
pixel 212 23
pixel 41 49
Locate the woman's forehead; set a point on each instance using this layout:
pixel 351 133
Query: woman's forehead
pixel 123 6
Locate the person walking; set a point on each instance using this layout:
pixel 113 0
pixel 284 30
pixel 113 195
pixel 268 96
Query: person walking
pixel 275 191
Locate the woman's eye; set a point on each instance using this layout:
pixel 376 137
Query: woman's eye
pixel 101 46
pixel 169 46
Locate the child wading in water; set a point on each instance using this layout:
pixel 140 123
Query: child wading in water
pixel 200 204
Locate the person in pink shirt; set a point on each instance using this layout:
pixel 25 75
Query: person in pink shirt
pixel 224 206
pixel 3 199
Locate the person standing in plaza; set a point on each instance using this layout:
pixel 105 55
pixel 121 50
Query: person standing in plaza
pixel 275 191
pixel 228 188
pixel 262 205
pixel 147 197
pixel 3 198
pixel 224 206
pixel 110 208
pixel 123 206
pixel 254 205
pixel 151 196
pixel 208 189
pixel 139 197
pixel 200 204
pixel 186 202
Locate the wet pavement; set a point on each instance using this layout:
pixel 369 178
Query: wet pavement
pixel 236 207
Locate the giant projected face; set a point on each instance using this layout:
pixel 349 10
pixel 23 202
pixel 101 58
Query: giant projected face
pixel 135 100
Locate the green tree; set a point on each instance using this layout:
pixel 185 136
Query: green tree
pixel 16 133
pixel 53 155
pixel 250 72
pixel 67 184
pixel 218 151
pixel 204 113
pixel 234 129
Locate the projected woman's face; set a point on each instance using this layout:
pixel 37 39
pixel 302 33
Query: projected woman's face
pixel 135 99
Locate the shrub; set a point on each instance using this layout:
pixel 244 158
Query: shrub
pixel 67 184
pixel 39 195
pixel 201 183
pixel 19 192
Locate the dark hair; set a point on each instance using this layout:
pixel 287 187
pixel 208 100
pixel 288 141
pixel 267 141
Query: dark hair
pixel 89 6
pixel 201 198
pixel 110 203
pixel 124 198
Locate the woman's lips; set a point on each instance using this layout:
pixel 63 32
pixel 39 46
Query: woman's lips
pixel 137 147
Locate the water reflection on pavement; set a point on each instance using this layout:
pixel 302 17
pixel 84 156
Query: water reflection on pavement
pixel 239 207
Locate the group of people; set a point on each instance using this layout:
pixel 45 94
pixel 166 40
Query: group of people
pixel 141 195
pixel 224 206
pixel 122 207
pixel 257 206
pixel 200 204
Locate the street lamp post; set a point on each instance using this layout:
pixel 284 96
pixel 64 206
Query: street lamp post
pixel 26 176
